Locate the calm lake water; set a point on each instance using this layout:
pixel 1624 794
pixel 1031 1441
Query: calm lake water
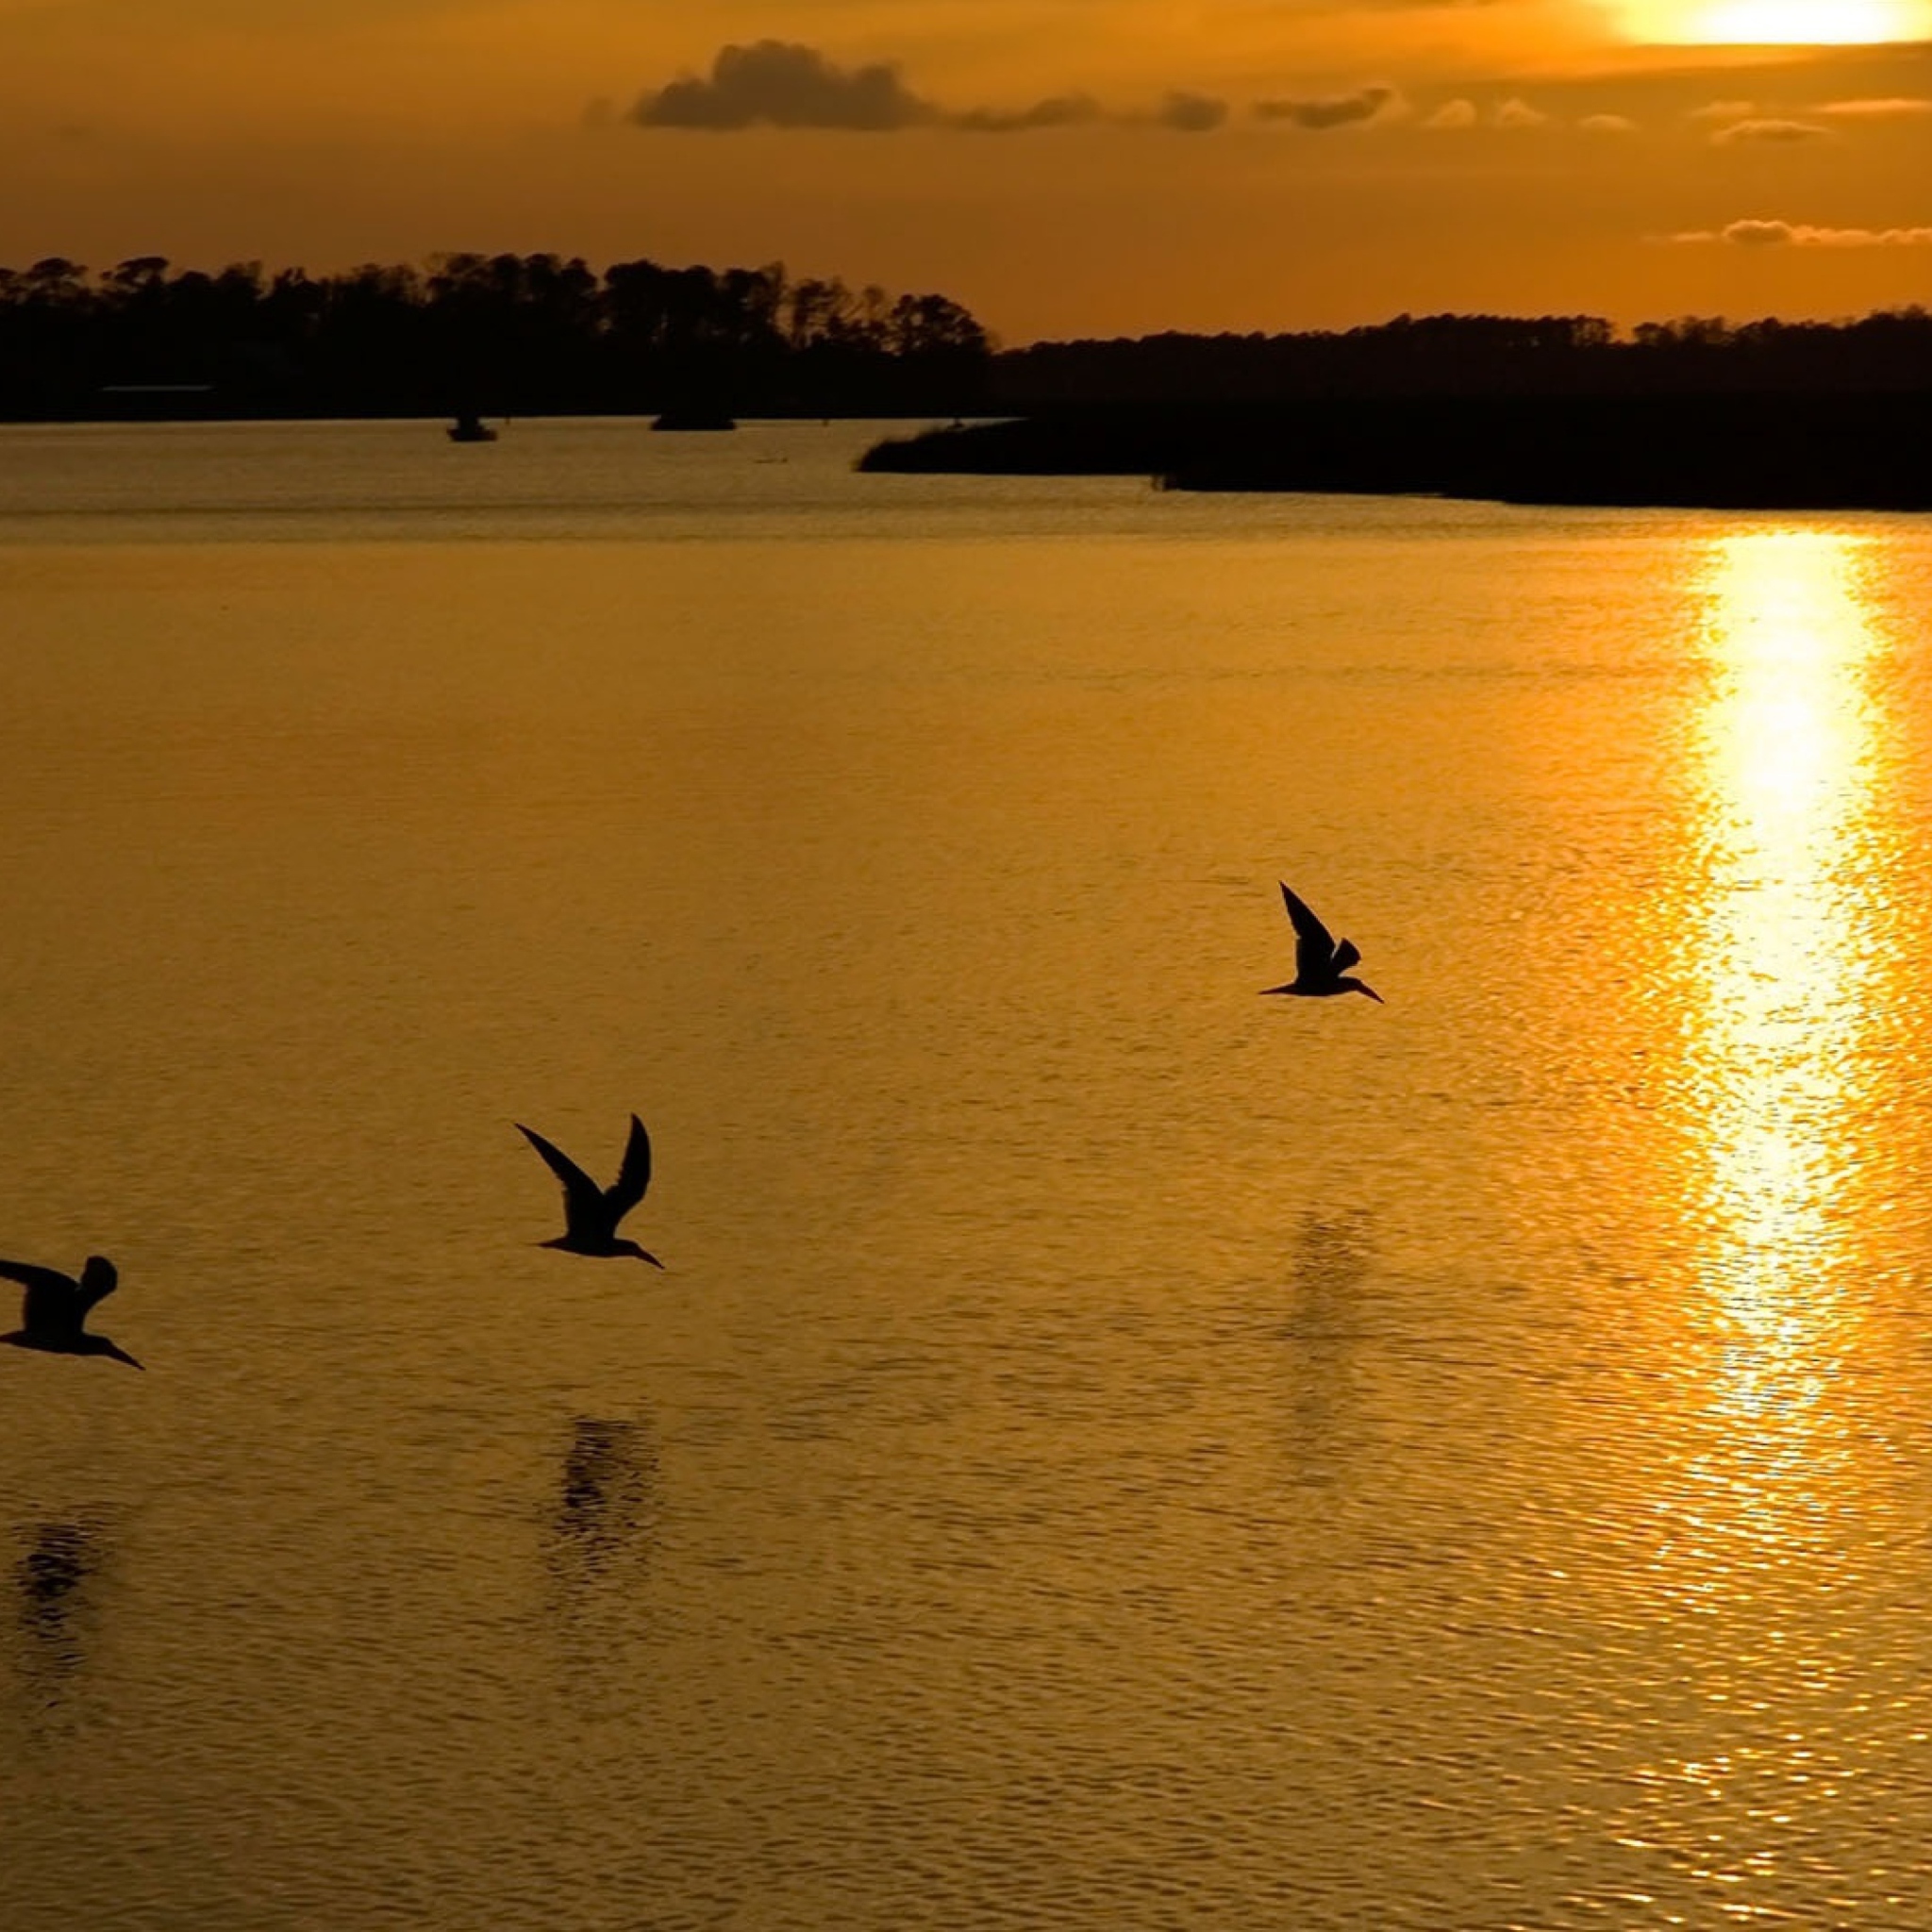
pixel 1110 1451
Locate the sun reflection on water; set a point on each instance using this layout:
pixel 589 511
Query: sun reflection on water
pixel 1782 963
pixel 1788 948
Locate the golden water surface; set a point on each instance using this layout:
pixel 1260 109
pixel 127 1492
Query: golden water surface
pixel 1109 1450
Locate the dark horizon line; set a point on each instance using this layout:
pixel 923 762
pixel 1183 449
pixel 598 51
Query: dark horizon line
pixel 436 263
pixel 541 336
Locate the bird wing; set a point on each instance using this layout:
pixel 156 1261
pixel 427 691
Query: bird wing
pixel 633 1177
pixel 1314 949
pixel 583 1199
pixel 47 1280
pixel 52 1299
pixel 1346 956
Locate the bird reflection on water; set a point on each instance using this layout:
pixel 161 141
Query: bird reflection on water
pixel 607 1499
pixel 1332 1261
pixel 51 1580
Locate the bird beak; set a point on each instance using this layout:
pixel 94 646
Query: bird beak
pixel 652 1259
pixel 1267 990
pixel 120 1355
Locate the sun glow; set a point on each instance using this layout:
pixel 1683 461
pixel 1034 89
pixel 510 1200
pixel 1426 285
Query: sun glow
pixel 1779 22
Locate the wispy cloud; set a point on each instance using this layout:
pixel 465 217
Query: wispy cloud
pixel 1772 131
pixel 1758 233
pixel 1606 124
pixel 1517 113
pixel 1058 110
pixel 1899 108
pixel 1513 116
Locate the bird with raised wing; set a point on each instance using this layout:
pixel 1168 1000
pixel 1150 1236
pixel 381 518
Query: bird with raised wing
pixel 1321 964
pixel 590 1213
pixel 56 1306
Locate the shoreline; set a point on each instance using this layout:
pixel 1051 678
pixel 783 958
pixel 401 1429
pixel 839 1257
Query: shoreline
pixel 1809 452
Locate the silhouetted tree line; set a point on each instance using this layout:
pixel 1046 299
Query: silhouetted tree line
pixel 1478 355
pixel 500 334
pixel 536 334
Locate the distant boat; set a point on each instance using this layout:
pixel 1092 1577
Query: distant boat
pixel 471 429
pixel 693 416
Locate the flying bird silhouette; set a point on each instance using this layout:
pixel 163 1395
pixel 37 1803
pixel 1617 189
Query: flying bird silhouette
pixel 56 1306
pixel 1320 963
pixel 590 1213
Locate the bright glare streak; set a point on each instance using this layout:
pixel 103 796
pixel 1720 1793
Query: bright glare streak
pixel 1788 955
pixel 1781 935
pixel 1778 22
pixel 1788 752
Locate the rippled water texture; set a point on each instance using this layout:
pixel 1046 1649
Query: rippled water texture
pixel 1110 1451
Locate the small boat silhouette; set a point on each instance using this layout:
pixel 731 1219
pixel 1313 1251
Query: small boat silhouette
pixel 467 428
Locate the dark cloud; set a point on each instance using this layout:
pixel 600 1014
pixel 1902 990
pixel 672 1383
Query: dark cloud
pixel 782 84
pixel 1192 113
pixel 1330 110
pixel 1184 112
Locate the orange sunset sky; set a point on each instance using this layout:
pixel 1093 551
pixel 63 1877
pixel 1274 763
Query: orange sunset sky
pixel 1063 167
